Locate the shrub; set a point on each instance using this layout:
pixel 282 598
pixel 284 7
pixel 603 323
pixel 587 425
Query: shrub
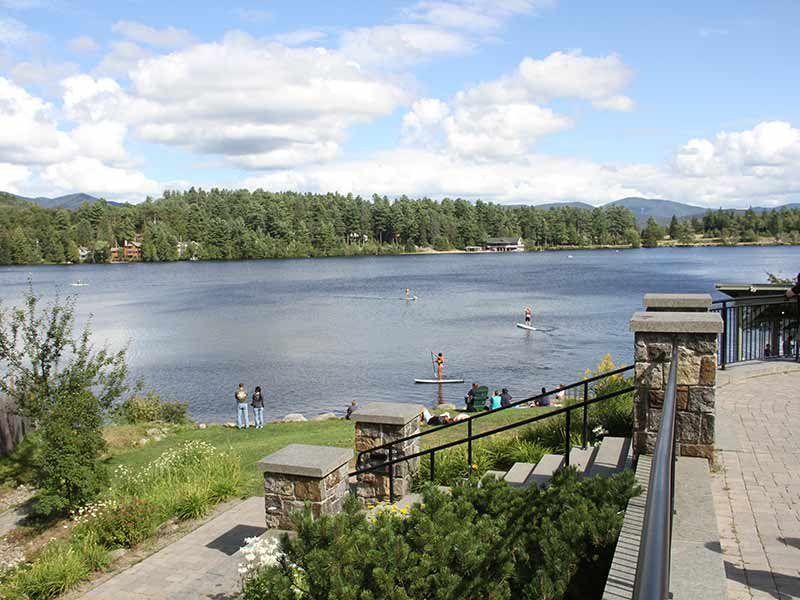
pixel 149 408
pixel 57 568
pixel 117 524
pixel 492 542
pixel 192 504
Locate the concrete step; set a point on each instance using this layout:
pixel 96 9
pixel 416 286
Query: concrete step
pixel 518 474
pixel 544 470
pixel 582 459
pixel 612 456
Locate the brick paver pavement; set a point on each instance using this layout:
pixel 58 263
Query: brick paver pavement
pixel 200 565
pixel 756 483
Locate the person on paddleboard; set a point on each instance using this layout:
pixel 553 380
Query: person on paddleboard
pixel 528 315
pixel 439 365
pixel 408 293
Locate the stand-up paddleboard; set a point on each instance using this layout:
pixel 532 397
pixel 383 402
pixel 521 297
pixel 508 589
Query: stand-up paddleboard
pixel 438 381
pixel 412 299
pixel 524 326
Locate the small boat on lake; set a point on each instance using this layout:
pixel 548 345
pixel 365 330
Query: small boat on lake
pixel 79 283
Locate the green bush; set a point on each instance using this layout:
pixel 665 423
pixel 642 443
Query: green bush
pixel 192 504
pixel 58 568
pixel 150 408
pixel 118 524
pixel 493 542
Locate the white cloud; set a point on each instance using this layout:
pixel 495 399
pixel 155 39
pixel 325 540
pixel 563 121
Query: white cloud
pixel 401 45
pixel 473 15
pixel 22 4
pixel 103 140
pixel 43 75
pixel 169 37
pixel 760 167
pixel 561 75
pixel 90 99
pixel 91 176
pixel 16 33
pixel 259 104
pixel 12 175
pixel 124 56
pixel 83 44
pixel 299 37
pixel 770 147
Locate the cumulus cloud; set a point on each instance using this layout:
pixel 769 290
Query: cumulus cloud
pixel 169 37
pixel 83 44
pixel 42 75
pixel 561 75
pixel 90 175
pixel 473 15
pixel 122 58
pixel 13 175
pixel 259 104
pixel 16 33
pixel 401 45
pixel 300 37
pixel 761 167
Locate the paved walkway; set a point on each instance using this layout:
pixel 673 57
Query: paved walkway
pixel 200 565
pixel 757 485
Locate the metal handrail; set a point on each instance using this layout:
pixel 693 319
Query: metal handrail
pixel 653 565
pixel 583 382
pixel 471 438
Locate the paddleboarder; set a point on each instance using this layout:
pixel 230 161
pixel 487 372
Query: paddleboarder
pixel 528 315
pixel 408 293
pixel 439 365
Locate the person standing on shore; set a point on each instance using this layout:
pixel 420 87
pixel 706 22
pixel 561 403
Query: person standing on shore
pixel 258 407
pixel 242 414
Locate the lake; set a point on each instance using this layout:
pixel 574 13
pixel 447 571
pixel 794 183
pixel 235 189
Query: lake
pixel 317 333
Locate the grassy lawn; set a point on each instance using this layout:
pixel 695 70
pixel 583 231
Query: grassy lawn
pixel 252 445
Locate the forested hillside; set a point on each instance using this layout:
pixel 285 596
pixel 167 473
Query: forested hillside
pixel 236 224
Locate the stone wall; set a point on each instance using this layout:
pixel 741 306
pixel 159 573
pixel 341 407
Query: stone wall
pixel 284 494
pixel 696 376
pixel 378 424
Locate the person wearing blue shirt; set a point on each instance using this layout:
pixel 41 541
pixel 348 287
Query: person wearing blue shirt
pixel 497 401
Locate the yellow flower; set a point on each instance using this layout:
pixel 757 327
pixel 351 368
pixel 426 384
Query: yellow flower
pixel 474 466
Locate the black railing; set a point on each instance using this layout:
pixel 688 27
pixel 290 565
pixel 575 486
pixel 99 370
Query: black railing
pixel 586 386
pixel 653 565
pixel 758 328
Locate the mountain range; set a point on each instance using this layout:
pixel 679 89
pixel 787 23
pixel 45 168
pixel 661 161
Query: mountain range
pixel 69 201
pixel 642 208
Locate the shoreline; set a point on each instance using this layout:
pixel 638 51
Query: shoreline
pixel 706 243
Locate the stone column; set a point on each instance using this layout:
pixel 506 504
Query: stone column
pixel 695 333
pixel 377 424
pixel 677 302
pixel 299 473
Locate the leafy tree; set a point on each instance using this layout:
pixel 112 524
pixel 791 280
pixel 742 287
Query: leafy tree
pixel 59 381
pixel 653 232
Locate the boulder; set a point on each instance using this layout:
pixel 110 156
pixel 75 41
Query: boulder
pixel 202 426
pixel 157 438
pixel 153 431
pixel 142 441
pixel 230 425
pixel 324 417
pixel 294 418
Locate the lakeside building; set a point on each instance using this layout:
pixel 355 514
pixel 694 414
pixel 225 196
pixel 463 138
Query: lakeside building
pixel 130 250
pixel 504 244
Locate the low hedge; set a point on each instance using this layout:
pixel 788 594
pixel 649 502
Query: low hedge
pixel 493 542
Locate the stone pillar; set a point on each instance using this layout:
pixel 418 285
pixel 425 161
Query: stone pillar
pixel 377 424
pixel 695 334
pixel 299 473
pixel 677 302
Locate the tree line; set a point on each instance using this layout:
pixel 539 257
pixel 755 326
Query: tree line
pixel 239 224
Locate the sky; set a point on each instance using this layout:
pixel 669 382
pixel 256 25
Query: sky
pixel 513 101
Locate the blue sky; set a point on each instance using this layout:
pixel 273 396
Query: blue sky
pixel 520 101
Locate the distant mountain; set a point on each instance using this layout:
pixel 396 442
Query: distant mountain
pixel 70 201
pixel 564 205
pixel 661 210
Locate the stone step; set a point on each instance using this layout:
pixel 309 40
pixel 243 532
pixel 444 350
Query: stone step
pixel 612 456
pixel 518 474
pixel 582 459
pixel 549 464
pixel 495 474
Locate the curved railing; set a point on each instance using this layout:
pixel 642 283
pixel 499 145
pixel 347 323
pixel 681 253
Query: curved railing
pixel 758 328
pixel 584 386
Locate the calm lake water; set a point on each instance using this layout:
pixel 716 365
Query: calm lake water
pixel 318 333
